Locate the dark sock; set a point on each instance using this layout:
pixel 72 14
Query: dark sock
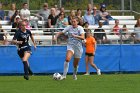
pixel 30 71
pixel 25 67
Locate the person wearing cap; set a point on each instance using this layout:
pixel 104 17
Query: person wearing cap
pixel 104 15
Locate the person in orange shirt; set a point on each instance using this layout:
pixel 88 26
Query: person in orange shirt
pixel 90 45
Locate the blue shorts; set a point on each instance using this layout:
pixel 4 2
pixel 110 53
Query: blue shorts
pixel 23 50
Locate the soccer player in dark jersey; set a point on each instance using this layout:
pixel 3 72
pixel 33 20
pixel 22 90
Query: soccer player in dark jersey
pixel 21 39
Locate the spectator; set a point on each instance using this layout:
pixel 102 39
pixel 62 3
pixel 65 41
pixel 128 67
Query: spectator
pixel 89 7
pixel 89 18
pixel 71 16
pixel 62 22
pixel 79 16
pixel 2 13
pixel 116 28
pixel 25 12
pixel 57 10
pixel 104 15
pixel 44 12
pixel 3 36
pixel 90 44
pixel 136 34
pixel 52 18
pixel 62 9
pixel 13 18
pixel 86 28
pixel 100 37
pixel 16 25
pixel 12 11
pixel 125 35
pixel 96 15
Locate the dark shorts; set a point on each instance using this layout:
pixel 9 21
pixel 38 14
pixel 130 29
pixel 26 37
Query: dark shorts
pixel 22 51
pixel 89 54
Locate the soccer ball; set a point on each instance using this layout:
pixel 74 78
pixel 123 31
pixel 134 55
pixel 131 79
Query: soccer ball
pixel 57 76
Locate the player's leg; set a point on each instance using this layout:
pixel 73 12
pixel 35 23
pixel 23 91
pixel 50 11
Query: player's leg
pixel 75 65
pixel 69 55
pixel 87 67
pixel 25 59
pixel 91 60
pixel 29 69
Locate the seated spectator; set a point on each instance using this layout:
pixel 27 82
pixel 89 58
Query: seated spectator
pixel 62 22
pixel 89 7
pixel 100 37
pixel 104 15
pixel 11 11
pixel 71 16
pixel 52 18
pixel 125 35
pixel 89 18
pixel 79 16
pixel 16 24
pixel 3 36
pixel 116 28
pixel 13 18
pixel 44 12
pixel 86 28
pixel 57 10
pixel 96 15
pixel 2 13
pixel 25 12
pixel 136 34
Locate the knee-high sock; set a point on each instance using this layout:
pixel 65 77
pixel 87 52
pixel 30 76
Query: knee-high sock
pixel 75 70
pixel 30 71
pixel 25 67
pixel 66 67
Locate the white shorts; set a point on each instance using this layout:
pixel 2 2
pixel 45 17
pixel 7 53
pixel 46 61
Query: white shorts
pixel 77 51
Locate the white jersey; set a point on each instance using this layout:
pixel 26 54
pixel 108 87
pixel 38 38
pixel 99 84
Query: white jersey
pixel 76 31
pixel 74 44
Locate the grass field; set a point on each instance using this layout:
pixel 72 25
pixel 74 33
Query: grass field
pixel 107 83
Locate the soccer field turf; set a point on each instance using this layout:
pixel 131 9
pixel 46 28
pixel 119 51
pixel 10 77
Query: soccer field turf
pixel 107 83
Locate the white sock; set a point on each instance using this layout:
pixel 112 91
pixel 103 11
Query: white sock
pixel 66 67
pixel 75 70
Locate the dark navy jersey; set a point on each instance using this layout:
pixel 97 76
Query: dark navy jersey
pixel 22 36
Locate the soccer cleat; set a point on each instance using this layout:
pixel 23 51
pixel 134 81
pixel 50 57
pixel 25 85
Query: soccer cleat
pixel 26 77
pixel 74 77
pixel 86 74
pixel 98 72
pixel 63 77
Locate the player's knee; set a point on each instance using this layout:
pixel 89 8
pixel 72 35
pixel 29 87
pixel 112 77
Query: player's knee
pixel 67 59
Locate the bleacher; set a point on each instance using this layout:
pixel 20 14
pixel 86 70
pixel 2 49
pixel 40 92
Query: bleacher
pixel 129 21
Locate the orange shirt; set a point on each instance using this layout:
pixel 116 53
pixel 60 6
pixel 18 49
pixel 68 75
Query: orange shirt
pixel 90 44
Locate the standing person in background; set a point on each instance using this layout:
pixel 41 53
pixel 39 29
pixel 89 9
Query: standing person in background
pixel 25 12
pixel 90 45
pixel 21 39
pixel 74 46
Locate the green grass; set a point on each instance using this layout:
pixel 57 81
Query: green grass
pixel 111 83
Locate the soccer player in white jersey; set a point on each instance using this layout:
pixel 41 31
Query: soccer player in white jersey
pixel 74 46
